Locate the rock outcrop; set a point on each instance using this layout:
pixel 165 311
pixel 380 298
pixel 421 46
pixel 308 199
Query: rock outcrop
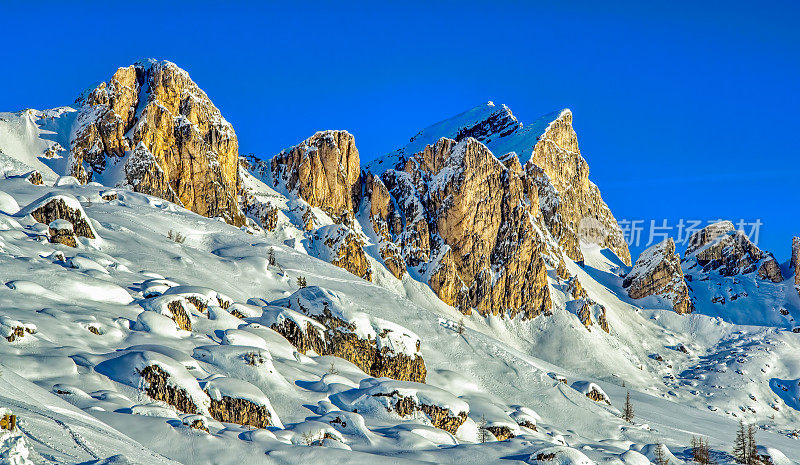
pixel 341 246
pixel 319 320
pixel 324 170
pixel 580 207
pixel 658 272
pixel 720 247
pixel 153 130
pixel 478 207
pixel 468 229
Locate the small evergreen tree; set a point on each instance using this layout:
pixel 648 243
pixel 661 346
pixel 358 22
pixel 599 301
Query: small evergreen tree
pixel 627 413
pixel 752 448
pixel 460 326
pixel 301 282
pixel 271 257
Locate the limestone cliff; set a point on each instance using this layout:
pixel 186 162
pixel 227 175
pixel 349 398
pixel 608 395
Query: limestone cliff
pixel 468 229
pixel 658 272
pixel 152 129
pixel 324 170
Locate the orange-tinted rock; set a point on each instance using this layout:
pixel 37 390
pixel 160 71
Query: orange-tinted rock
pixel 152 122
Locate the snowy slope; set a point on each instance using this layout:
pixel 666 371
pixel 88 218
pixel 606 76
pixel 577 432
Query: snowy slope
pixel 502 370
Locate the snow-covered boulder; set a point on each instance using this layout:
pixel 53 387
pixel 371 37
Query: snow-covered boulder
pixel 12 330
pixel 559 455
pixel 329 324
pixel 200 297
pixel 237 401
pixel 658 272
pixel 172 306
pixel 160 377
pixel 592 391
pixel 408 400
pixel 772 456
pixel 51 207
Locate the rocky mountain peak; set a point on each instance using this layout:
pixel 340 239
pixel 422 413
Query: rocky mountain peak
pixel 152 129
pixel 719 246
pixel 324 170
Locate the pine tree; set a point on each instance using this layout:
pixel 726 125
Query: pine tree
pixel 627 413
pixel 741 445
pixel 752 449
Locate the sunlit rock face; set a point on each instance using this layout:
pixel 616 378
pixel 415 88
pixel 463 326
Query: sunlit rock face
pixel 152 129
pixel 324 170
pixel 658 272
pixel 468 229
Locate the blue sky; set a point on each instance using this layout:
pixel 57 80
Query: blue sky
pixel 683 109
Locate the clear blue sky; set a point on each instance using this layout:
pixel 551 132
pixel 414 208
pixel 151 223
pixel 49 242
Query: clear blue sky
pixel 683 109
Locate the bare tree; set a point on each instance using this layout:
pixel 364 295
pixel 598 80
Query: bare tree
pixel 661 457
pixel 700 452
pixel 176 236
pixel 483 432
pixel 332 369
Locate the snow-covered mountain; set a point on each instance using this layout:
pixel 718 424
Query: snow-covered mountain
pixel 468 298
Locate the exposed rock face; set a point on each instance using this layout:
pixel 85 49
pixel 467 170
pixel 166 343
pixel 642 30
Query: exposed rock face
pixel 327 331
pixel 440 417
pixel 159 130
pixel 35 178
pixel 179 315
pixel 579 203
pixel 56 208
pixel 61 233
pixel 324 170
pixel 342 247
pixel 720 247
pixel 385 222
pixel 501 433
pixel 240 411
pixel 8 422
pixel 158 388
pixel 468 229
pixel 658 272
